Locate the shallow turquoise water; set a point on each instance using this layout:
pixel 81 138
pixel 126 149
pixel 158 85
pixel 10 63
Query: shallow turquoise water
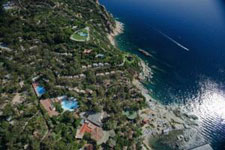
pixel 186 40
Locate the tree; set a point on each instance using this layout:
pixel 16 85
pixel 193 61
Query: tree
pixel 1 5
pixel 91 77
pixel 58 107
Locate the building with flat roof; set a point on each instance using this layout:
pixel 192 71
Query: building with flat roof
pixel 96 118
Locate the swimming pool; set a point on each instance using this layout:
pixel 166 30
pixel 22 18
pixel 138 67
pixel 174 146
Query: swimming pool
pixel 40 90
pixel 69 104
pixel 83 34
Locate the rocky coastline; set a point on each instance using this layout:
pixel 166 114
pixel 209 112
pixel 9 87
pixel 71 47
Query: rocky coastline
pixel 119 28
pixel 166 126
pixel 160 121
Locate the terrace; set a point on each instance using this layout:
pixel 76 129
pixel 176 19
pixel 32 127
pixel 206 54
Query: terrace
pixel 49 107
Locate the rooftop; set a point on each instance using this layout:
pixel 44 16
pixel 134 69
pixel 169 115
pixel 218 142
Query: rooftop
pixel 96 118
pixel 88 127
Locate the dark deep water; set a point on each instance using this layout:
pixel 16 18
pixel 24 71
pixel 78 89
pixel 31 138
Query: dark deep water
pixel 187 41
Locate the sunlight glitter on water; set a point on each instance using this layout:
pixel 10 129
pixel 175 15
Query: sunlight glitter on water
pixel 209 106
pixel 210 101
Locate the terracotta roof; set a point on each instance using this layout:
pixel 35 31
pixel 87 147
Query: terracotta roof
pixel 84 128
pixel 88 127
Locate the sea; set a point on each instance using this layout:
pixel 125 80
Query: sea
pixel 186 40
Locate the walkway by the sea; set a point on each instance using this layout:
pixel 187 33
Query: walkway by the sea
pixel 203 147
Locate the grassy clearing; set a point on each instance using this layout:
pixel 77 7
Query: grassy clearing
pixel 81 35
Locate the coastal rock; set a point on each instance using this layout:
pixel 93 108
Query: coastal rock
pixel 178 126
pixel 177 120
pixel 116 31
pixel 146 71
pixel 192 138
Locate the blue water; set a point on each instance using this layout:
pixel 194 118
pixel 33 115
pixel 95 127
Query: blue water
pixel 83 34
pixel 187 42
pixel 69 105
pixel 40 90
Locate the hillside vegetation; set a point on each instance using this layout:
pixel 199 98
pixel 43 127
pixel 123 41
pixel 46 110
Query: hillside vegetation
pixel 35 43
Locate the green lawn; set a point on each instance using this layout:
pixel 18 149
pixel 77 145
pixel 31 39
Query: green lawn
pixel 81 35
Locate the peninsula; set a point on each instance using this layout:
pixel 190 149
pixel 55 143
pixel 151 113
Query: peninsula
pixel 65 85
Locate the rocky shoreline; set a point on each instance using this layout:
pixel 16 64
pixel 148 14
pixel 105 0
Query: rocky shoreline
pixel 168 126
pixel 160 121
pixel 119 28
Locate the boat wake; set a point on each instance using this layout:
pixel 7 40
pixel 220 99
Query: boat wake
pixel 172 40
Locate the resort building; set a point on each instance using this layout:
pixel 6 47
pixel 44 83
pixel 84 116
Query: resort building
pixel 101 64
pixel 92 124
pixel 84 67
pixel 96 118
pixel 107 64
pixel 100 56
pixel 87 51
pixel 95 65
pixel 88 127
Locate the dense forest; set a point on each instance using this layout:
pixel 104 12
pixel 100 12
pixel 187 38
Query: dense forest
pixel 35 43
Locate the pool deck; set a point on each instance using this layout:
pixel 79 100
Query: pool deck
pixel 48 106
